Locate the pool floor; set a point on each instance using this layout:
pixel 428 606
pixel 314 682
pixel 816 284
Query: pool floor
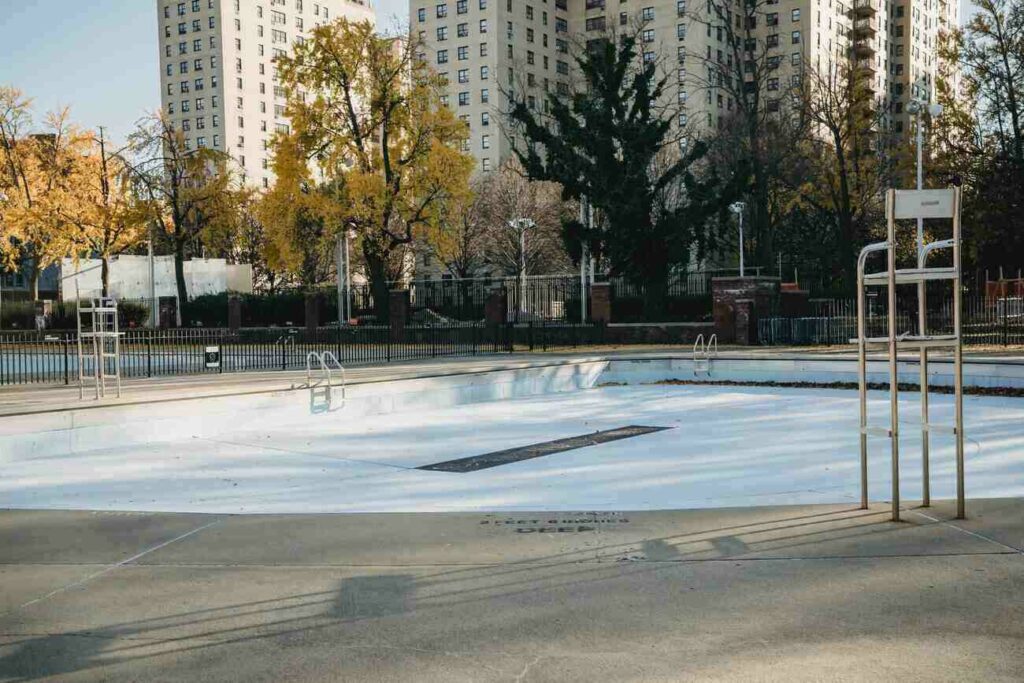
pixel 723 447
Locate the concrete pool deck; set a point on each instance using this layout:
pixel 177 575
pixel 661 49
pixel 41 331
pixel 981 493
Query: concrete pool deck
pixel 40 398
pixel 803 593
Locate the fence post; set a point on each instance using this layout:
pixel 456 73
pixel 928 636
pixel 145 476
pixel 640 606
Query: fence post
pixel 1006 321
pixel 67 378
pixel 529 334
pixel 149 353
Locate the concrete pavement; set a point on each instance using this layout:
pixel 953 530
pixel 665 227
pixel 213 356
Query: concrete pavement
pixel 784 593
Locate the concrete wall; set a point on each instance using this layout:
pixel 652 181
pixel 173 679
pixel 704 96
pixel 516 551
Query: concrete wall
pixel 129 277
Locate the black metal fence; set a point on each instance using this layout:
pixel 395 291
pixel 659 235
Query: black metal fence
pixel 985 321
pixel 31 357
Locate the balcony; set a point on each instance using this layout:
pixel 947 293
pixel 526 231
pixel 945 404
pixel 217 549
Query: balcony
pixel 862 49
pixel 865 67
pixel 863 8
pixel 865 27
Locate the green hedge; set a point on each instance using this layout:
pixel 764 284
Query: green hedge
pixel 258 310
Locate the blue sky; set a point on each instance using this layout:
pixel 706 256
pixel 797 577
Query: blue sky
pixel 100 57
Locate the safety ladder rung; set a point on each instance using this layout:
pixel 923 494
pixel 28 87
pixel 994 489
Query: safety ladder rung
pixel 913 341
pixel 877 431
pixel 911 275
pixel 940 428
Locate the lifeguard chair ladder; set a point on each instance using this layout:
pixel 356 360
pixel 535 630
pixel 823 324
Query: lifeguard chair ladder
pixel 902 205
pixel 99 345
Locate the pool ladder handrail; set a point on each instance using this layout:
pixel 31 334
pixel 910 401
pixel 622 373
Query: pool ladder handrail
pixel 324 362
pixel 703 353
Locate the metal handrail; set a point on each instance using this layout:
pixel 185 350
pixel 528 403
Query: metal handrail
pixel 329 356
pixel 932 246
pixel 324 361
pixel 702 353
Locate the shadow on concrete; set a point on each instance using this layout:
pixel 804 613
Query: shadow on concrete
pixel 385 596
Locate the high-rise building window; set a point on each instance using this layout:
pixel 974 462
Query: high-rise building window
pixel 441 11
pixel 647 14
pixel 421 14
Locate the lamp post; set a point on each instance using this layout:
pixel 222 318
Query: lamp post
pixel 916 107
pixel 344 281
pixel 737 208
pixel 522 225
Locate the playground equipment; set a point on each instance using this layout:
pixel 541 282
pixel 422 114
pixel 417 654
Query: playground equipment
pixel 920 205
pixel 703 353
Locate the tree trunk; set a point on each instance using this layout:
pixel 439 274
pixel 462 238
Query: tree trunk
pixel 105 274
pixel 654 279
pixel 179 277
pixel 33 279
pixel 377 269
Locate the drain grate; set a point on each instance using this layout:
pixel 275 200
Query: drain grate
pixel 537 450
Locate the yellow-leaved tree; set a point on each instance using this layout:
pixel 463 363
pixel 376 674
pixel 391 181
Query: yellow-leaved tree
pixel 107 216
pixel 367 116
pixel 40 185
pixel 298 215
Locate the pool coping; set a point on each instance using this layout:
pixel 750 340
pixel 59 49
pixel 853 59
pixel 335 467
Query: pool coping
pixel 287 381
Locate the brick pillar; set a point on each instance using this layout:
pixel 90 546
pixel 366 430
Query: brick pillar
pixel 726 292
pixel 496 308
pixel 601 302
pixel 234 312
pixel 746 323
pixel 398 313
pixel 312 313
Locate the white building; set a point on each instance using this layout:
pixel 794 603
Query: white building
pixel 129 277
pixel 218 82
pixel 484 46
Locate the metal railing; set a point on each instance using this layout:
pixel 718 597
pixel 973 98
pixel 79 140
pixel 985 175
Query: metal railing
pixel 986 321
pixel 51 358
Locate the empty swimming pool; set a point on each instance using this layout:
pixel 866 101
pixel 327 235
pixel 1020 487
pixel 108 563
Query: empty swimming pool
pixel 635 447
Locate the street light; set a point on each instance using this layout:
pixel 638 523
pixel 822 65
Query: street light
pixel 522 225
pixel 344 265
pixel 916 107
pixel 737 208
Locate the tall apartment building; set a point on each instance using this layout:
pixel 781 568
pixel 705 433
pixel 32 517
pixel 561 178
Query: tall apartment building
pixel 218 81
pixel 482 46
